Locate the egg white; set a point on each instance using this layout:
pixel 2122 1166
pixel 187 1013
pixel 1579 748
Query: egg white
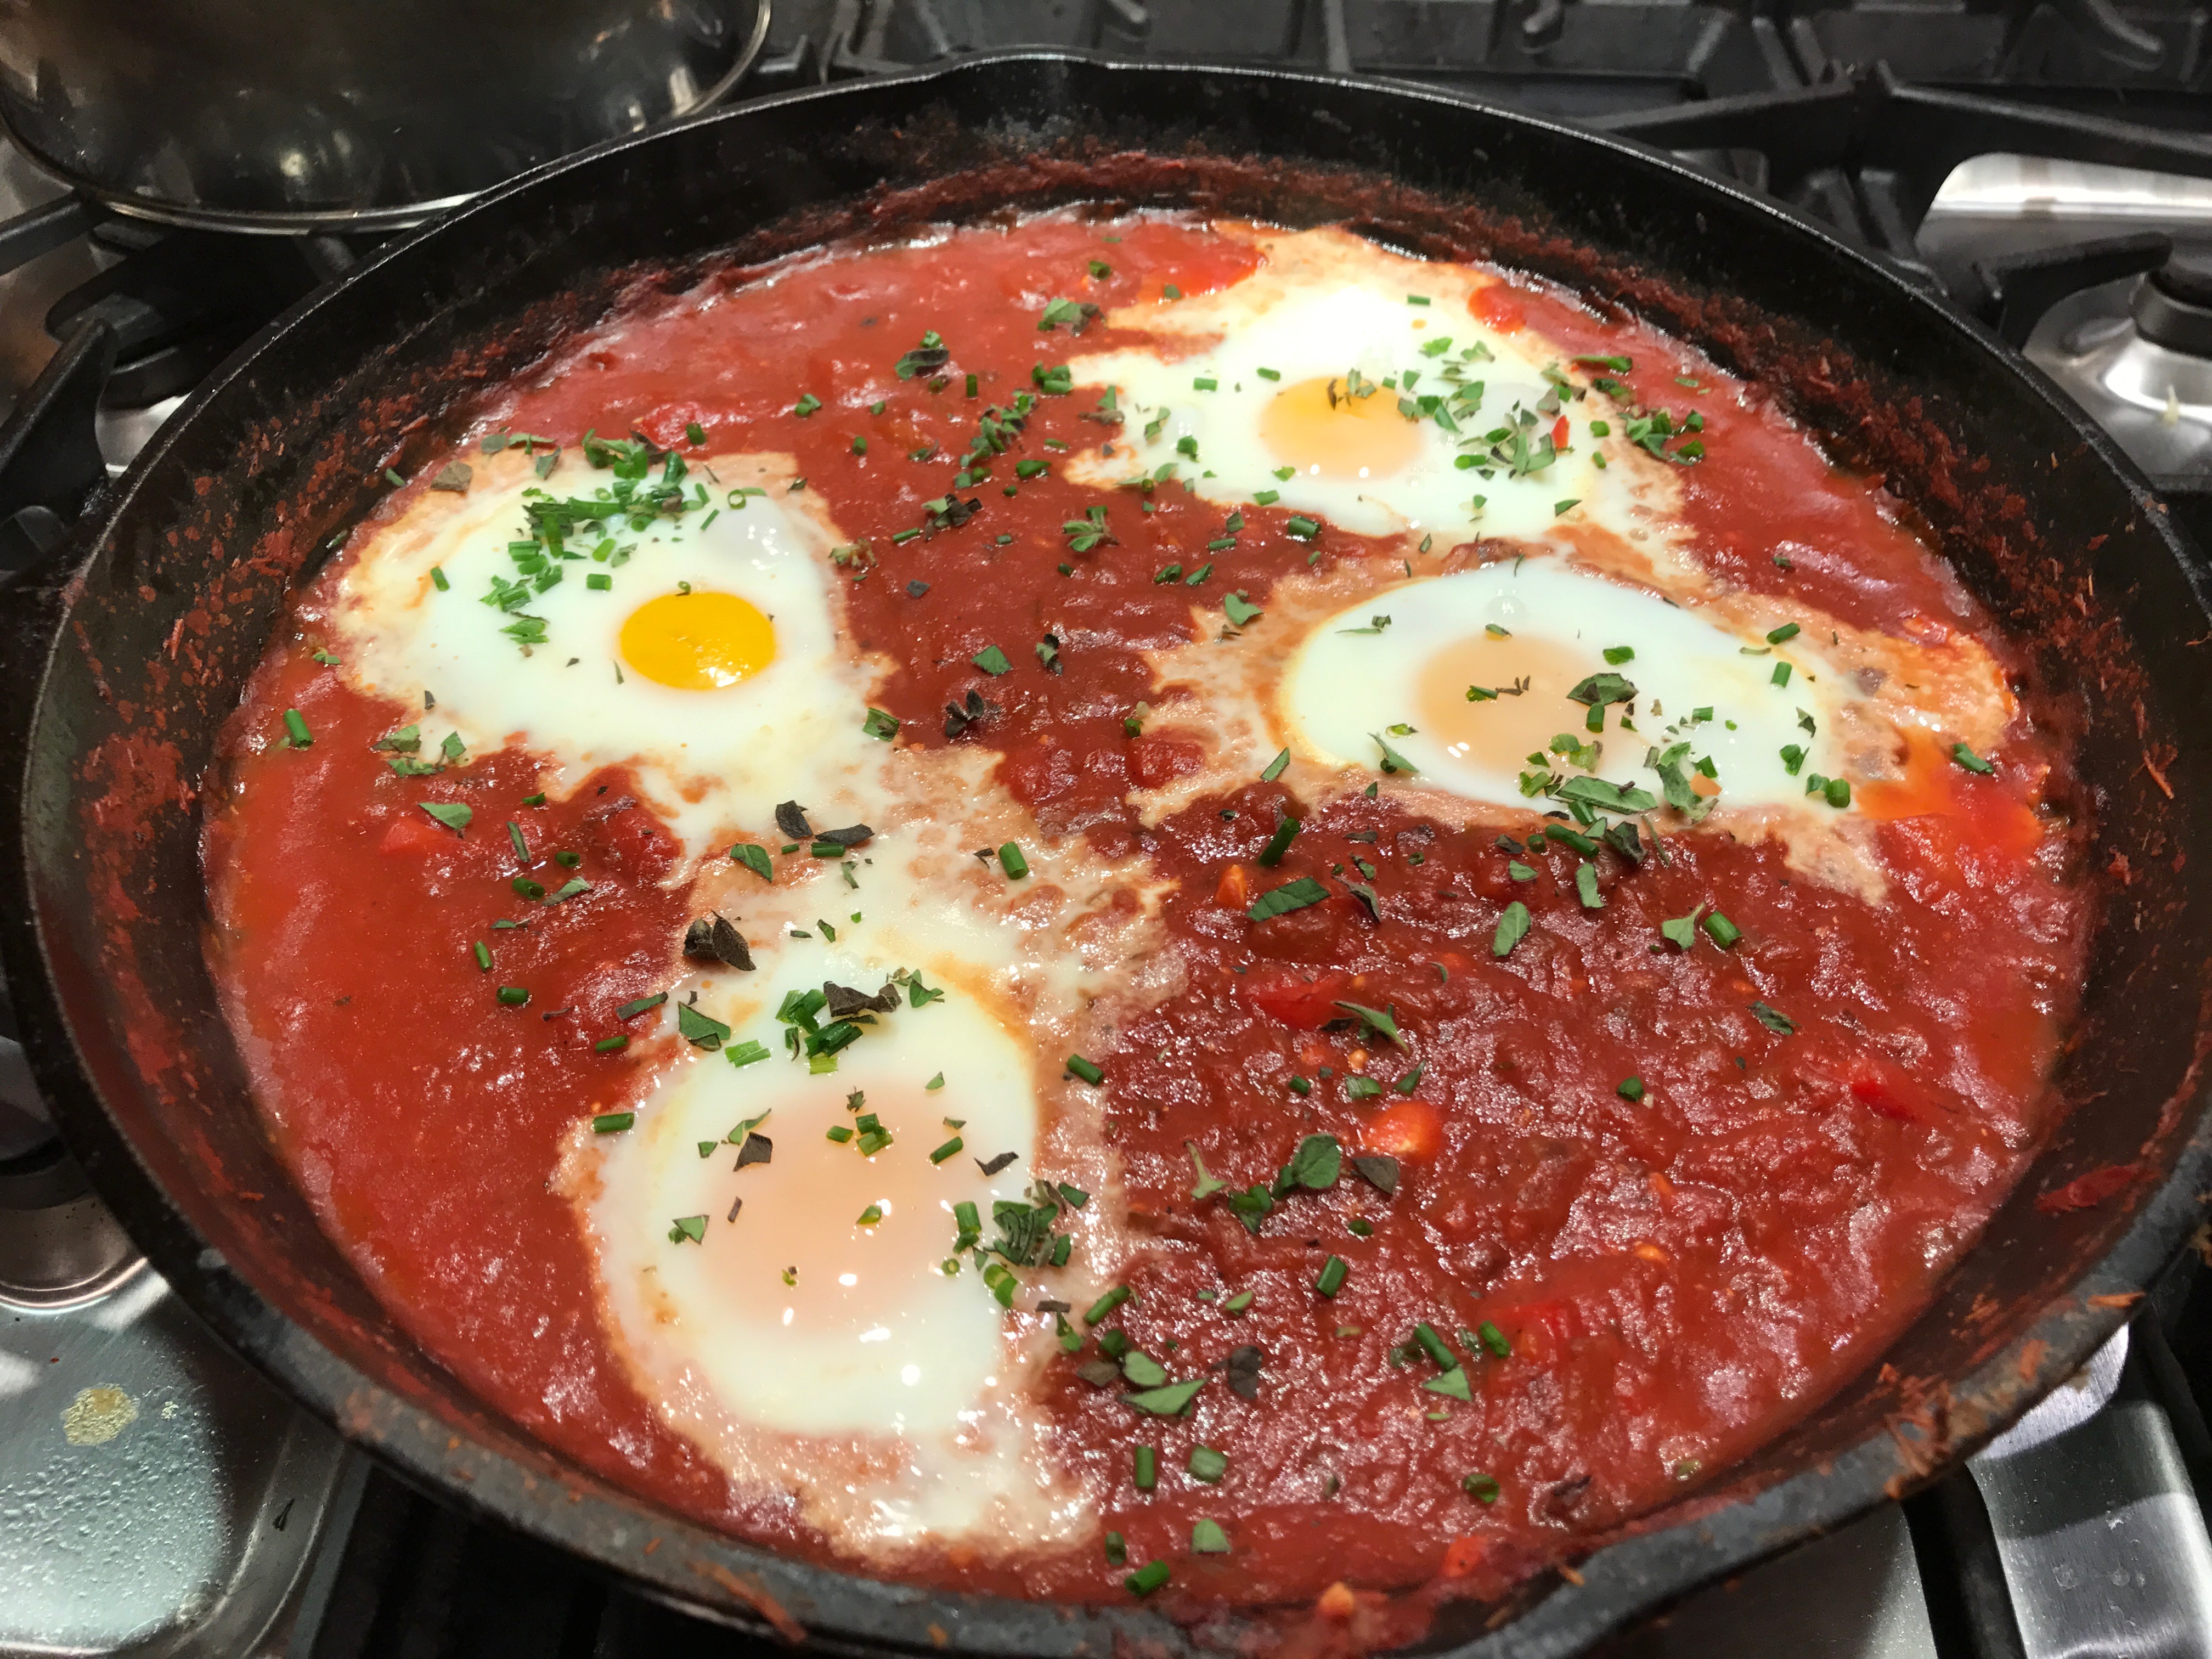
pixel 1325 304
pixel 1345 688
pixel 802 1346
pixel 708 762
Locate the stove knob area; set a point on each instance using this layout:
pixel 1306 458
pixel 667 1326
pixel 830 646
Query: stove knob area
pixel 2172 305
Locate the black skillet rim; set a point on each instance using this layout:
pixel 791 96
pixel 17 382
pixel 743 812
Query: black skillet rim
pixel 600 1522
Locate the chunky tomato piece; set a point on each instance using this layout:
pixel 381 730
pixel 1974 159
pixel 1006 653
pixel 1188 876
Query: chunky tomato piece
pixel 1307 1001
pixel 411 835
pixel 1412 1129
pixel 1499 307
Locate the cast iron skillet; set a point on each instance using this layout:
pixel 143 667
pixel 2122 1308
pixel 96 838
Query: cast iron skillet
pixel 126 661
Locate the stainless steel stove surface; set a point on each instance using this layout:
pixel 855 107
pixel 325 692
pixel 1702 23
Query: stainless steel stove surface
pixel 2045 166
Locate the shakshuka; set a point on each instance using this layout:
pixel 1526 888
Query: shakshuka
pixel 1116 905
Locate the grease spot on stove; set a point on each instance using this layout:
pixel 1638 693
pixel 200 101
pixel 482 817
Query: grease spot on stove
pixel 97 1415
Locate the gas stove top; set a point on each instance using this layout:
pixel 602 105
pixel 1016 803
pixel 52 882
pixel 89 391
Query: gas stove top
pixel 2045 167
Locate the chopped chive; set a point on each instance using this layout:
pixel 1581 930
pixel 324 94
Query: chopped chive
pixel 612 1123
pixel 1275 767
pixel 1106 1304
pixel 949 1149
pixel 1148 1467
pixel 1084 1069
pixel 1013 861
pixel 295 728
pixel 438 579
pixel 632 1010
pixel 512 996
pixel 1494 1340
pixel 483 956
pixel 1724 933
pixel 1153 1574
pixel 1333 1274
pixel 1433 1346
pixel 1967 758
pixel 611 1045
pixel 1786 631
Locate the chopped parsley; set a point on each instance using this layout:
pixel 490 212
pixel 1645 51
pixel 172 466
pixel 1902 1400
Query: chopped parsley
pixel 1290 895
pixel 1773 1020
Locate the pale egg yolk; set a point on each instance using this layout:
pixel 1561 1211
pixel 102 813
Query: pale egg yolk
pixel 698 641
pixel 1316 427
pixel 853 1226
pixel 1501 733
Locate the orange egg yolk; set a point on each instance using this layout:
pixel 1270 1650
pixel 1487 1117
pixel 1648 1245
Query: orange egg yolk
pixel 1317 427
pixel 698 641
pixel 853 1225
pixel 1501 732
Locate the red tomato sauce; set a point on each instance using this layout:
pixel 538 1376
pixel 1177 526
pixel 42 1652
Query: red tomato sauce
pixel 1649 1222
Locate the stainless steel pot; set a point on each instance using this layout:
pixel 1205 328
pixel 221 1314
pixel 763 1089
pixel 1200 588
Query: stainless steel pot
pixel 257 115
